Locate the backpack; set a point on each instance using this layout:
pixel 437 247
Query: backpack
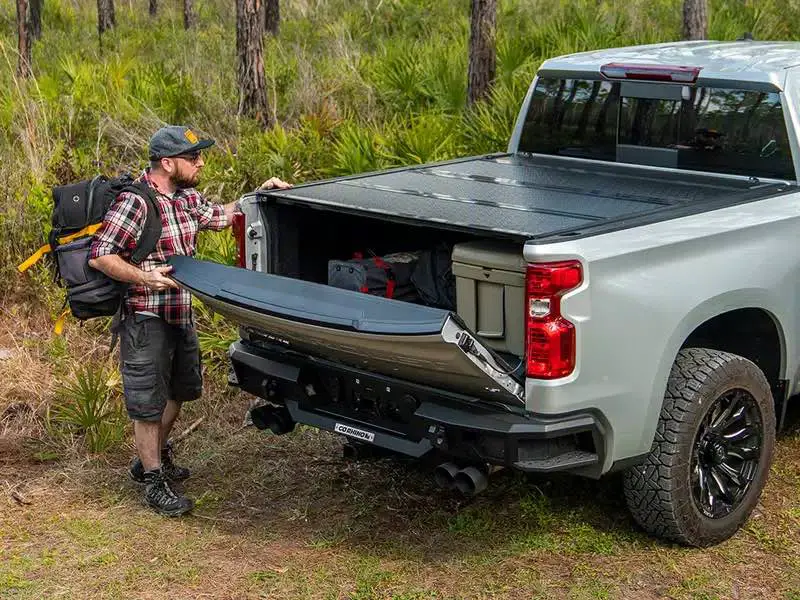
pixel 78 212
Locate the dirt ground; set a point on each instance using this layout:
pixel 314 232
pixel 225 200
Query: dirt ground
pixel 289 517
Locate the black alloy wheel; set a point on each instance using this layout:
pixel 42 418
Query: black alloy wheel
pixel 726 453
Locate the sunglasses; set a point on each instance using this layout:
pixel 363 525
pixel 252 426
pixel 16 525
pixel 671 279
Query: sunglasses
pixel 192 157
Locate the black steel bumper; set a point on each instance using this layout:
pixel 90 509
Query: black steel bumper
pixel 413 419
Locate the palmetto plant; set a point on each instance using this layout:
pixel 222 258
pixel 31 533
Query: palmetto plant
pixel 356 150
pixel 488 126
pixel 514 57
pixel 425 138
pixel 444 75
pixel 398 77
pixel 730 20
pixel 217 246
pixel 215 335
pixel 89 408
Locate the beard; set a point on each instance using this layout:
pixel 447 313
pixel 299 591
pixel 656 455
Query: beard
pixel 182 180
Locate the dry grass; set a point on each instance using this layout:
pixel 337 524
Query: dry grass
pixel 25 378
pixel 287 517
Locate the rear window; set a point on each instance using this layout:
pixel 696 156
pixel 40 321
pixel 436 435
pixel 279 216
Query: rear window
pixel 739 132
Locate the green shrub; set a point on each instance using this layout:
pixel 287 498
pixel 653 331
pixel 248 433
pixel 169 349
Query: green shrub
pixel 215 335
pixel 89 409
pixel 217 246
pixel 426 138
pixel 487 128
pixel 356 149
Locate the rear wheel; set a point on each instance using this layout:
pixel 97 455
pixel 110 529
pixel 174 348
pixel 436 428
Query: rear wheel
pixel 712 450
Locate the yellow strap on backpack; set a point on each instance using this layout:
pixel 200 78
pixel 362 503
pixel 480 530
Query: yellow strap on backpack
pixel 34 258
pixel 58 328
pixel 37 256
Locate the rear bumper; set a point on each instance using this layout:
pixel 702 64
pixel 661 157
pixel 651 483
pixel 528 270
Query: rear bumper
pixel 414 419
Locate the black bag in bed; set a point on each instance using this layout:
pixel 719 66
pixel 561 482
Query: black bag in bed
pixel 388 276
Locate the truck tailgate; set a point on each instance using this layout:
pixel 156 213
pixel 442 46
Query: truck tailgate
pixel 406 341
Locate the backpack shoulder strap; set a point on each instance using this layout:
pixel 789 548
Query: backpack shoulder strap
pixel 151 230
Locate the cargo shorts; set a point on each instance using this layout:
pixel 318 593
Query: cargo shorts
pixel 158 362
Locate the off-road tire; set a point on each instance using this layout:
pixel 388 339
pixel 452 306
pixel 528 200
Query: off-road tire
pixel 659 492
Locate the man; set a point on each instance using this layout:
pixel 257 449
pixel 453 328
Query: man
pixel 159 352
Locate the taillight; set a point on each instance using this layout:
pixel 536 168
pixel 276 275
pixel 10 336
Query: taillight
pixel 549 337
pixel 674 74
pixel 238 234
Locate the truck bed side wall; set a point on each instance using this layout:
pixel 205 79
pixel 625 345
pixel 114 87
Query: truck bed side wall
pixel 647 289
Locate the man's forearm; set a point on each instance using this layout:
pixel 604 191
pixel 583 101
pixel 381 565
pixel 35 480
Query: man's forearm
pixel 117 268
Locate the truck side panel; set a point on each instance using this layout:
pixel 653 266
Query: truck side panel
pixel 648 288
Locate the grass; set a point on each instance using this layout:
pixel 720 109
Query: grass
pixel 265 502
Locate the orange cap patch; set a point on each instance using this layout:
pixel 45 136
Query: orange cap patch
pixel 190 135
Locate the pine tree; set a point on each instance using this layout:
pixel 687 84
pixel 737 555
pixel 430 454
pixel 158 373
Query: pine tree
pixel 482 53
pixel 695 19
pixel 24 40
pixel 250 61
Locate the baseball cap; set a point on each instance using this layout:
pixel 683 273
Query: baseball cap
pixel 173 140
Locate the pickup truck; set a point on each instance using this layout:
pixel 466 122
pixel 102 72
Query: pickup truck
pixel 626 284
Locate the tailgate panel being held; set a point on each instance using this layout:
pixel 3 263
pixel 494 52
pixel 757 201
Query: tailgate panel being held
pixel 412 342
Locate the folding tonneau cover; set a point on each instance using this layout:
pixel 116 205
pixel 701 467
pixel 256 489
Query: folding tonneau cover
pixel 524 197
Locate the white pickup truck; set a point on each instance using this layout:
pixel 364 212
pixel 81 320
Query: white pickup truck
pixel 626 288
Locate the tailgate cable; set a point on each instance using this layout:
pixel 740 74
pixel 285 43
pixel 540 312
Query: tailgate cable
pixel 467 344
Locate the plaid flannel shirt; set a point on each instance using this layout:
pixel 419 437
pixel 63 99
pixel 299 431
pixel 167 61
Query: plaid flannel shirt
pixel 182 216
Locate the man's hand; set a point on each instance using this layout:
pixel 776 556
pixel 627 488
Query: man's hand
pixel 156 279
pixel 115 267
pixel 273 183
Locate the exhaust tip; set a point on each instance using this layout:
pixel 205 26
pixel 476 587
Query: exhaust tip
pixel 471 481
pixel 444 475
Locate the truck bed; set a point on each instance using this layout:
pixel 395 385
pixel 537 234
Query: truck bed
pixel 528 198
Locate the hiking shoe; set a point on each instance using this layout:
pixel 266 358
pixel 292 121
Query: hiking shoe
pixel 162 498
pixel 171 471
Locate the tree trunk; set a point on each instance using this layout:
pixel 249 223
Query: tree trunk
pixel 272 20
pixel 153 8
pixel 36 7
pixel 602 118
pixel 24 41
pixel 695 19
pixel 189 18
pixel 567 105
pixel 583 120
pixel 250 61
pixel 105 16
pixel 482 58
